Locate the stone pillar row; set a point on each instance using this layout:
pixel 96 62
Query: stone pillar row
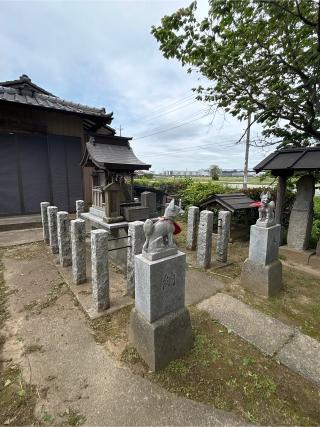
pixel 68 239
pixel 199 235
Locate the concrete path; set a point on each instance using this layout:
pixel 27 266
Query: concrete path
pixel 293 349
pixel 20 237
pixel 77 372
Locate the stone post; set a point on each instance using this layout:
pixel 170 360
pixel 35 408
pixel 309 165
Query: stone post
pixel 78 245
pixel 224 221
pixel 204 245
pixel 262 270
pixel 53 234
pixel 44 218
pixel 192 231
pixel 149 200
pixel 100 271
pixel 160 326
pixel 301 216
pixel 79 208
pixel 64 242
pixel 136 240
pixel 281 193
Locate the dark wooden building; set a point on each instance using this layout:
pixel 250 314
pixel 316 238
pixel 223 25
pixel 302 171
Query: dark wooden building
pixel 42 140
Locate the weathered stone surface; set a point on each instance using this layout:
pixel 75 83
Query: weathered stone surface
pixel 224 221
pixel 192 231
pixel 264 244
pixel 64 240
pixel 79 208
pixel 149 200
pixel 53 232
pixel 262 271
pixel 78 246
pixel 301 215
pixel 135 213
pixel 204 245
pixel 44 218
pixel 160 285
pixel 136 241
pixel 166 339
pixel 264 280
pixel 266 333
pixel 302 355
pixel 100 272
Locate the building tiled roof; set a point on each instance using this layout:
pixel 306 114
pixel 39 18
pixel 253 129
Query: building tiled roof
pixel 291 159
pixel 24 91
pixel 112 153
pixel 230 201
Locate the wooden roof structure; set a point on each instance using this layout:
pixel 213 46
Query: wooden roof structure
pixel 24 92
pixel 112 153
pixel 230 201
pixel 287 161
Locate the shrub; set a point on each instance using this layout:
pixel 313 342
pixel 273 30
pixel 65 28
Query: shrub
pixel 196 192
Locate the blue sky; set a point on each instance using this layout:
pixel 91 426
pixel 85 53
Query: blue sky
pixel 101 53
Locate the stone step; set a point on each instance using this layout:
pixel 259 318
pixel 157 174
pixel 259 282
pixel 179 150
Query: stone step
pixel 21 222
pixel 297 351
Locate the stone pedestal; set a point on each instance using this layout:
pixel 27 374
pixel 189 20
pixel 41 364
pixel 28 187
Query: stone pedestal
pixel 262 271
pixel 136 241
pixel 160 327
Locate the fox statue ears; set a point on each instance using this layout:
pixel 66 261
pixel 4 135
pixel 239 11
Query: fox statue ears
pixel 171 204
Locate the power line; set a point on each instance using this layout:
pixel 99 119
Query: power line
pixel 189 149
pixel 190 95
pixel 173 127
pixel 170 111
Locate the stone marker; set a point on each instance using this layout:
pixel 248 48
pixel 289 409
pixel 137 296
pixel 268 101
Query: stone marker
pixel 160 326
pixel 79 207
pixel 44 218
pixel 78 245
pixel 204 244
pixel 100 271
pixel 64 241
pixel 149 200
pixel 262 270
pixel 224 221
pixel 192 231
pixel 300 222
pixel 53 234
pixel 136 240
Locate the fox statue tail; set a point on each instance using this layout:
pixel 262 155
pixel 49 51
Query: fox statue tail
pixel 148 229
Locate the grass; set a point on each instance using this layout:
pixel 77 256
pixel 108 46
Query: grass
pixel 225 371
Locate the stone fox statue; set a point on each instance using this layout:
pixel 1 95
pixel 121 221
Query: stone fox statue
pixel 266 209
pixel 159 235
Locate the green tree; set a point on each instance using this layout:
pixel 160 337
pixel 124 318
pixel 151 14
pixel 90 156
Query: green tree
pixel 215 172
pixel 259 56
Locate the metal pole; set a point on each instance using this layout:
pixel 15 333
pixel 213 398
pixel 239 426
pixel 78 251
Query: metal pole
pixel 246 158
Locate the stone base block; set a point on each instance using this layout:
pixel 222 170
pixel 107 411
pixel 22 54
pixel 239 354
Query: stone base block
pixel 112 220
pixel 264 280
pixel 135 213
pixel 162 341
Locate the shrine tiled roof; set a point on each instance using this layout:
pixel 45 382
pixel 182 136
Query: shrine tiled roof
pixel 112 152
pixel 24 91
pixel 290 160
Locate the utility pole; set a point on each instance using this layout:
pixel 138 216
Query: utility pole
pixel 246 158
pixel 120 129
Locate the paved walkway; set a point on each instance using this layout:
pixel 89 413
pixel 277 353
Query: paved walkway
pixel 77 372
pixel 293 349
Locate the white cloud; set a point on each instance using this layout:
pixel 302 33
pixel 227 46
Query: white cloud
pixel 101 53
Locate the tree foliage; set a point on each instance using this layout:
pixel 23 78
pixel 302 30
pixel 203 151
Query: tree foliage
pixel 215 172
pixel 261 56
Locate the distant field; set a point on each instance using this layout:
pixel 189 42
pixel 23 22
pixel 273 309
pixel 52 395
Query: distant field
pixel 225 179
